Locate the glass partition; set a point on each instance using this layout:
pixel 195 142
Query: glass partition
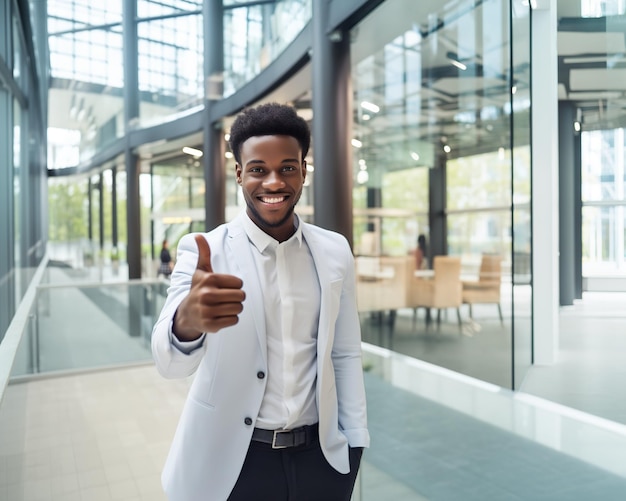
pixel 433 155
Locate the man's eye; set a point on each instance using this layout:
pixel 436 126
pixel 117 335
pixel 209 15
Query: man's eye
pixel 256 169
pixel 289 168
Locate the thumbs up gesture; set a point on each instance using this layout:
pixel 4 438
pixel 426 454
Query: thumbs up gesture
pixel 214 300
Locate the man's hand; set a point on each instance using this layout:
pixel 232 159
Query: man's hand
pixel 214 300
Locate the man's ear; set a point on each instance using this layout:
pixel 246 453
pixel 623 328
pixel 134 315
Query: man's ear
pixel 303 169
pixel 238 173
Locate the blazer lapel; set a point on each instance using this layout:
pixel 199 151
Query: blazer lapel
pixel 241 250
pixel 320 260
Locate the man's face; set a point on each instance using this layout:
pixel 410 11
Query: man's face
pixel 271 175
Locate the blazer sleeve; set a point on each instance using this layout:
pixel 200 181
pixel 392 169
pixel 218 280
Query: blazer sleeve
pixel 170 361
pixel 346 355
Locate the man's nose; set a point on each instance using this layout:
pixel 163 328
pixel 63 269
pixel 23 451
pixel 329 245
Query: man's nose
pixel 273 180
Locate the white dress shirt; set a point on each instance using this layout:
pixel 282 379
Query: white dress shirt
pixel 291 297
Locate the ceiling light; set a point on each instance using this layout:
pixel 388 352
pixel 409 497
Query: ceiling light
pixel 227 136
pixel 192 151
pixel 362 177
pixel 356 143
pixel 366 117
pixel 229 154
pixel 370 106
pixel 458 64
pixel 415 156
pixel 73 107
pixel 577 126
pixel 81 110
pixel 447 148
pixel 455 61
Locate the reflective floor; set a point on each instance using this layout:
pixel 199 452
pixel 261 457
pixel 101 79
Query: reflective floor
pixel 444 436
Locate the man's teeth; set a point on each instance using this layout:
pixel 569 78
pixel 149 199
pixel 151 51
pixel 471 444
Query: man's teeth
pixel 272 200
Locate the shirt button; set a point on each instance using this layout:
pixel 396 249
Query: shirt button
pixel 260 374
pixel 248 421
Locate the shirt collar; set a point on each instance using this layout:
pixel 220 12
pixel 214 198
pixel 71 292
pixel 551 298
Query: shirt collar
pixel 262 240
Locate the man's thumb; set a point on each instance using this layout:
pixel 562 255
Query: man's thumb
pixel 204 254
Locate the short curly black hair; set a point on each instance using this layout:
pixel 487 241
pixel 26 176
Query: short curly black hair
pixel 271 119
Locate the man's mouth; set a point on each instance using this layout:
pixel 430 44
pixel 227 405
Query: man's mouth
pixel 272 200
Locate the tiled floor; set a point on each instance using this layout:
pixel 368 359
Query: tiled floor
pixel 590 371
pixel 89 437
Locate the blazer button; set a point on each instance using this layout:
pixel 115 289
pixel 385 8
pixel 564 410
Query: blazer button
pixel 260 374
pixel 248 421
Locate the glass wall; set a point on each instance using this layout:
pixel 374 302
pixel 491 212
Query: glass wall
pixel 591 79
pixel 170 47
pixel 87 67
pixel 178 189
pixel 435 103
pixel 17 183
pixel 121 210
pixel 87 79
pixel 604 202
pixel 68 214
pixel 22 161
pixel 255 34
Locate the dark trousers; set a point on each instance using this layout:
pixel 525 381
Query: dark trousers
pixel 293 474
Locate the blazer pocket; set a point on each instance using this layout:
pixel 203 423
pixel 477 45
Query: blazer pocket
pixel 201 403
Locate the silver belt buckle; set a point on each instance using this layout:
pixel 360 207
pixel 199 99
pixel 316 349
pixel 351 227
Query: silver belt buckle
pixel 276 433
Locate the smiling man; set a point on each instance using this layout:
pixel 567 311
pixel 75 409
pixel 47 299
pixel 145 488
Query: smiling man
pixel 263 311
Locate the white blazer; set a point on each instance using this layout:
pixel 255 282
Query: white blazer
pixel 213 436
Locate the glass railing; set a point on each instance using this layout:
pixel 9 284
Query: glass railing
pixel 89 326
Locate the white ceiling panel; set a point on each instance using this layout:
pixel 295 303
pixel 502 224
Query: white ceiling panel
pixel 572 43
pixel 598 78
pixel 582 96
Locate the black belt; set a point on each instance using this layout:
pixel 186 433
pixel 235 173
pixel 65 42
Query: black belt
pixel 281 439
